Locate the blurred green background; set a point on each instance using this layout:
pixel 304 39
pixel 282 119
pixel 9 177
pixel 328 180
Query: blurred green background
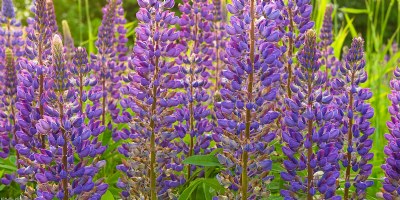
pixel 77 16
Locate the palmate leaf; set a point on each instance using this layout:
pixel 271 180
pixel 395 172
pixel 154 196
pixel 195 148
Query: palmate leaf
pixel 203 188
pixel 202 160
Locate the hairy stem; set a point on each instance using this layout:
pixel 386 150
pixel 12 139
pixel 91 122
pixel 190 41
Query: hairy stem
pixel 290 53
pixel 103 114
pixel 350 141
pixel 244 181
pixel 153 192
pixel 64 154
pixel 310 172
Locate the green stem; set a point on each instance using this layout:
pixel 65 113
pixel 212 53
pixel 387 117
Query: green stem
pixel 244 181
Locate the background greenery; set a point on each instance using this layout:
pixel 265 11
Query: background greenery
pixel 377 21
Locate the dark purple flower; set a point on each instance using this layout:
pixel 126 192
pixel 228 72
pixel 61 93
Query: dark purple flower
pixel 309 130
pixel 246 112
pixel 149 94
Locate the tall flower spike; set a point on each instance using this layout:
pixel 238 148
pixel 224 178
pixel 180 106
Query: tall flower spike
pixel 196 23
pixel 51 16
pixel 355 125
pixel 218 27
pixel 104 65
pixel 7 9
pixel 246 113
pixel 69 42
pixel 62 177
pixel 10 32
pixel 38 48
pixel 325 45
pixel 81 70
pixel 392 149
pixel 7 114
pixel 121 63
pixel 309 131
pixel 149 93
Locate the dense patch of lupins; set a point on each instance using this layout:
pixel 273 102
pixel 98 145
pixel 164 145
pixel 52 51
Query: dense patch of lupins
pixel 198 101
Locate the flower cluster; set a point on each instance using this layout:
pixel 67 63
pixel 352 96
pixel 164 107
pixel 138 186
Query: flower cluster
pixel 310 133
pixel 148 93
pixel 355 127
pixel 246 112
pixel 197 36
pixel 392 150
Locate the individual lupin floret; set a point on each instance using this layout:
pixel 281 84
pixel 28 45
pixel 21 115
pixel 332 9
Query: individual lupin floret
pixel 196 36
pixel 355 126
pixel 391 184
pixel 246 113
pixel 149 94
pixel 67 135
pixel 309 131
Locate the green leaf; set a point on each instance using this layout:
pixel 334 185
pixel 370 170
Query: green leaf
pixel 354 10
pixel 194 186
pixel 107 196
pixel 189 190
pixel 202 160
pixel 106 137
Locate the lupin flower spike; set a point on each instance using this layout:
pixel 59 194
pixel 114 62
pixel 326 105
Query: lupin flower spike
pixel 296 16
pixel 7 9
pixel 196 23
pixel 246 113
pixel 355 125
pixel 7 113
pixel 104 66
pixel 67 135
pixel 69 42
pixel 11 32
pixel 148 93
pixel 309 131
pixel 391 183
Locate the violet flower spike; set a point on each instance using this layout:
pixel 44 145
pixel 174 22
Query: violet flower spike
pixel 196 23
pixel 246 114
pixel 309 131
pixel 391 168
pixel 355 126
pixel 149 93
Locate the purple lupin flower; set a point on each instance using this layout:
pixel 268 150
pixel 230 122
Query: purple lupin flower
pixel 51 16
pixel 355 125
pixel 11 32
pixel 326 35
pixel 246 114
pixel 309 131
pixel 149 94
pixel 69 42
pixel 81 70
pixel 106 67
pixel 67 135
pixel 391 184
pixel 218 28
pixel 38 49
pixel 121 63
pixel 296 20
pixel 8 98
pixel 196 36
